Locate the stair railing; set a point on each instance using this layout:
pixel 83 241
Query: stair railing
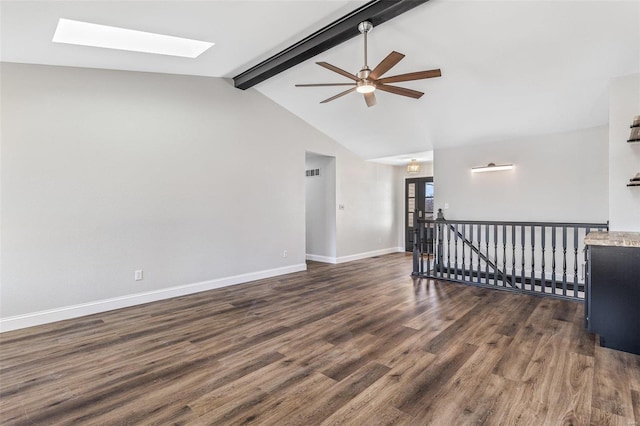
pixel 530 257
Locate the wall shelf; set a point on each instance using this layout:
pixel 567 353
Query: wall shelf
pixel 634 136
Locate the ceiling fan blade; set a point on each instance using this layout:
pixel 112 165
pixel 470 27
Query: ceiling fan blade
pixel 346 92
pixel 420 75
pixel 338 70
pixel 325 84
pixel 370 99
pixel 387 63
pixel 399 91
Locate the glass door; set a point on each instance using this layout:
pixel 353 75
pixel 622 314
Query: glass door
pixel 419 197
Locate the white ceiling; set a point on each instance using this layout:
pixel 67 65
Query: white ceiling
pixel 244 32
pixel 510 69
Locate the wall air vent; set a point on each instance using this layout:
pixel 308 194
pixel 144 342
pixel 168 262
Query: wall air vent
pixel 313 172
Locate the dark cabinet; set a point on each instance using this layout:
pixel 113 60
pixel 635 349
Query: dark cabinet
pixel 612 301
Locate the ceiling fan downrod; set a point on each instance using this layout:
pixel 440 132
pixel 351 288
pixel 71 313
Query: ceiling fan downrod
pixel 365 85
pixel 364 27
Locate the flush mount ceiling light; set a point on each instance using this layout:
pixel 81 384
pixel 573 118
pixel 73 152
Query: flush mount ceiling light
pixel 95 35
pixel 492 167
pixel 413 166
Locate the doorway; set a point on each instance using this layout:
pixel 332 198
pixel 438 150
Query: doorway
pixel 320 207
pixel 418 204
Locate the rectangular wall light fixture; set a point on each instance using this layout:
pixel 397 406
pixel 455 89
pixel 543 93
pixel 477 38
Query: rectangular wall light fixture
pixel 95 35
pixel 491 167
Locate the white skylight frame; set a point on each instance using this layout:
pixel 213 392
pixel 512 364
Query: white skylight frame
pixel 95 35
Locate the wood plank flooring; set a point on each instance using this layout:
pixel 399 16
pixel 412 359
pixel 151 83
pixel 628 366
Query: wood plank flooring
pixel 359 343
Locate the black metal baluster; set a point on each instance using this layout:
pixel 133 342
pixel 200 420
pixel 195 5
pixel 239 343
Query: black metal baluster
pixel 464 271
pixel 486 262
pixel 543 277
pixel 564 260
pixel 448 251
pixel 430 247
pixel 553 260
pixel 471 252
pixel 423 241
pixel 479 248
pixel 533 258
pixel 495 254
pixel 455 260
pixel 522 242
pixel 504 256
pixel 434 248
pixel 440 249
pixel 513 256
pixel 575 261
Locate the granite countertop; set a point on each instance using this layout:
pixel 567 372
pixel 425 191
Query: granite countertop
pixel 614 239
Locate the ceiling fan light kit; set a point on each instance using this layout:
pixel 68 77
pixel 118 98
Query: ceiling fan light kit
pixel 365 87
pixel 366 81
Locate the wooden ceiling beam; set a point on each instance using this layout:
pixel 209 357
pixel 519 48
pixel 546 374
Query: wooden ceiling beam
pixel 337 32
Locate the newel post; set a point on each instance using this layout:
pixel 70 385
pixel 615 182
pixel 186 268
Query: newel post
pixel 416 246
pixel 439 221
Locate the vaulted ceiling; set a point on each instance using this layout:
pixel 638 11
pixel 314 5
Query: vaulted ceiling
pixel 509 68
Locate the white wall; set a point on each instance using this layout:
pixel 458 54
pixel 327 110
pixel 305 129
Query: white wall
pixel 195 182
pixel 557 177
pixel 320 207
pixel 106 172
pixel 367 225
pixel 624 158
pixel 367 222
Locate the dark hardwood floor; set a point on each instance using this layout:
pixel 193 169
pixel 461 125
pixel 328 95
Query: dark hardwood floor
pixel 358 343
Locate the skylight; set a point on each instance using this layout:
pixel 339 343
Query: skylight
pixel 87 34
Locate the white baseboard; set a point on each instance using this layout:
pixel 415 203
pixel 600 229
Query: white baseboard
pixel 365 255
pixel 74 311
pixel 318 258
pixel 351 257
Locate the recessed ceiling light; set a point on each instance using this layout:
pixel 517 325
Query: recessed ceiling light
pixel 87 34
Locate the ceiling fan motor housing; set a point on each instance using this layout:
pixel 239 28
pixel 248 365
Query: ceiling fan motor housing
pixel 364 73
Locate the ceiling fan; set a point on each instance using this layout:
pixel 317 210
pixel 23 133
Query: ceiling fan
pixel 367 81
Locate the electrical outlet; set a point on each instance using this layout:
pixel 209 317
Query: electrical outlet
pixel 340 206
pixel 446 206
pixel 138 275
pixel 284 253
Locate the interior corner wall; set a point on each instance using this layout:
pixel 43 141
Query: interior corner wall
pixel 366 222
pixel 320 207
pixel 107 172
pixel 557 177
pixel 624 157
